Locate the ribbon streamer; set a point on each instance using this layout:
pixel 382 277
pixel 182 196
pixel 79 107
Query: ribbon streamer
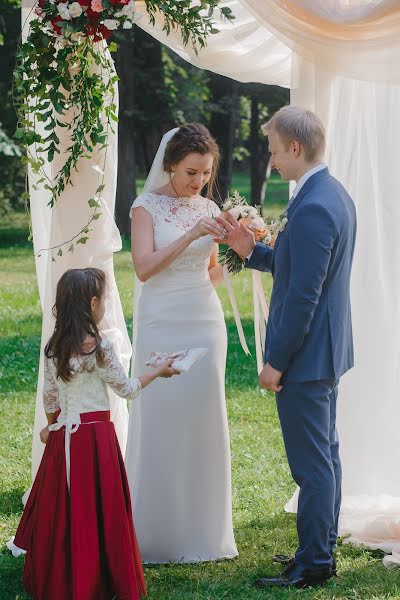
pixel 236 314
pixel 259 302
pixel 260 307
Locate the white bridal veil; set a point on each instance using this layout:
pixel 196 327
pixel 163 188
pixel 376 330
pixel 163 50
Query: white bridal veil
pixel 156 179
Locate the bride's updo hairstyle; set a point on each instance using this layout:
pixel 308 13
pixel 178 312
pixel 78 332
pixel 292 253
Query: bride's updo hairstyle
pixel 189 138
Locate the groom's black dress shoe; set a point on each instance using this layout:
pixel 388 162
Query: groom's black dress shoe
pixel 285 560
pixel 297 576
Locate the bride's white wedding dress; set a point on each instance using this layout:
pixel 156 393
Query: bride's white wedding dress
pixel 178 454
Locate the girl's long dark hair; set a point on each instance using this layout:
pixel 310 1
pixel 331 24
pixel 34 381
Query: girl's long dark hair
pixel 74 318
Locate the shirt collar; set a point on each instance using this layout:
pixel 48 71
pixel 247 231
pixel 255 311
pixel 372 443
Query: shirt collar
pixel 307 176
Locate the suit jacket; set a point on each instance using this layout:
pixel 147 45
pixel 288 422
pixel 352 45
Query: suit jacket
pixel 309 332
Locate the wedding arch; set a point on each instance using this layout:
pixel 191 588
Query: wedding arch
pixel 339 58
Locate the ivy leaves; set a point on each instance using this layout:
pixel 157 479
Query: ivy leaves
pixel 64 94
pixel 194 21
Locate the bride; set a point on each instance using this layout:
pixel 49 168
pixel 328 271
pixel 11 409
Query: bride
pixel 178 455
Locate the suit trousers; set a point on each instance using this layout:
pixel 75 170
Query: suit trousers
pixel 307 413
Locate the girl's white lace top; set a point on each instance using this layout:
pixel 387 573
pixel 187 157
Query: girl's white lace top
pixel 172 217
pixel 87 390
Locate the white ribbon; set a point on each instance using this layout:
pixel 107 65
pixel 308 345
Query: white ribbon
pixel 70 428
pixel 259 301
pixel 260 306
pixel 236 314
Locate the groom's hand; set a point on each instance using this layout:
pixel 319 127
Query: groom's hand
pixel 237 236
pixel 270 379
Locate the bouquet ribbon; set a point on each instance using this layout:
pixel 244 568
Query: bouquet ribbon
pixel 260 317
pixel 235 309
pixel 260 307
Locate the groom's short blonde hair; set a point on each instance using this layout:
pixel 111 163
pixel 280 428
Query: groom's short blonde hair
pixel 295 123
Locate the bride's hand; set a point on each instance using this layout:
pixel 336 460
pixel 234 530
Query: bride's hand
pixel 206 226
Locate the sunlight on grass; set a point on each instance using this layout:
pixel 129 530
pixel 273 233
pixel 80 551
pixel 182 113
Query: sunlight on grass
pixel 261 479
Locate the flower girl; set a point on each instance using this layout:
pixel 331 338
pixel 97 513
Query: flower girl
pixel 77 529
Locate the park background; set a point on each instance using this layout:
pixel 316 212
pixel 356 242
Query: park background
pixel 158 90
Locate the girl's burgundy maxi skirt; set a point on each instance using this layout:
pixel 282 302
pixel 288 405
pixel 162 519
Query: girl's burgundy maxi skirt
pixel 81 545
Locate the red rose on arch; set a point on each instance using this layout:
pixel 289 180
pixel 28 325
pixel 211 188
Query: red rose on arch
pixel 56 28
pixel 121 2
pixel 98 31
pixel 91 29
pixel 104 31
pixel 92 15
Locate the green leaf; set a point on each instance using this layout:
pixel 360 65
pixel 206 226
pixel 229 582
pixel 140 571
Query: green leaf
pixel 93 203
pixel 82 240
pixel 19 134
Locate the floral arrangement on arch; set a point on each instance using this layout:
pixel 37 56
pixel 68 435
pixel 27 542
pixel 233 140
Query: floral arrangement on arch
pixel 65 84
pixel 88 18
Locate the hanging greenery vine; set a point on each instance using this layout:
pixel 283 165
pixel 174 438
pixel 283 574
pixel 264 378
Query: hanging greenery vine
pixel 64 84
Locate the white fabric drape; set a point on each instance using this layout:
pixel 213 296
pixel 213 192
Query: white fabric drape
pixel 340 58
pixel 246 50
pixel 53 226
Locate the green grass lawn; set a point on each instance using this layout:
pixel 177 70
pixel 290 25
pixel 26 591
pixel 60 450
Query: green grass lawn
pixel 261 479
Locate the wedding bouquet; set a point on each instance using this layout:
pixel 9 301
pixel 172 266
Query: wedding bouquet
pixel 183 359
pixel 265 229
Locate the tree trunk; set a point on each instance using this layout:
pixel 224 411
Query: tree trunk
pixel 224 110
pixel 152 101
pixel 259 157
pixel 126 184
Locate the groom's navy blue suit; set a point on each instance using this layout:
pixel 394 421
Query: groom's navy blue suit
pixel 309 339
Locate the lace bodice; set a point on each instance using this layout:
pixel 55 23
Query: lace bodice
pixel 87 390
pixel 172 217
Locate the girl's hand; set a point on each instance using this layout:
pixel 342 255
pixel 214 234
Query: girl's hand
pixel 166 370
pixel 206 226
pixel 44 434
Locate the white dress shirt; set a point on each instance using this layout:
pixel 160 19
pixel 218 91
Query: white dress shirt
pixel 298 187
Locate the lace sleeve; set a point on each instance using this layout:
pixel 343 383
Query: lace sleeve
pixel 50 390
pixel 112 372
pixel 213 209
pixel 143 201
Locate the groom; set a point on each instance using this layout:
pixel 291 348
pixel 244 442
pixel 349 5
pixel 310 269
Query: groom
pixel 309 336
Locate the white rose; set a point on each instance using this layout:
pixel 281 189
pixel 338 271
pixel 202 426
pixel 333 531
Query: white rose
pixel 75 10
pixel 127 25
pixel 253 212
pixel 257 223
pixel 128 10
pixel 76 36
pixel 236 211
pixel 111 24
pixel 63 11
